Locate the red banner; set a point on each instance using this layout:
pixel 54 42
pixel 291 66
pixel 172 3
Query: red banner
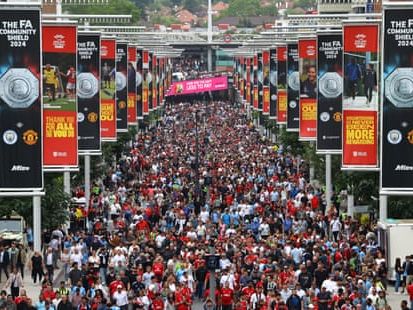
pixel 307 53
pixel 360 138
pixel 60 144
pixel 266 100
pixel 145 98
pixel 360 106
pixel 108 90
pixel 132 85
pixel 282 106
pixel 255 97
pixel 308 119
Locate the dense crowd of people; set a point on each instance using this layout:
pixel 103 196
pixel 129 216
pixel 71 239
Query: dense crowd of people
pixel 205 183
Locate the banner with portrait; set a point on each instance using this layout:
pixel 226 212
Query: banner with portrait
pixel 248 81
pixel 139 84
pixel 293 88
pixel 108 90
pixel 330 91
pixel 396 171
pixel 282 85
pixel 60 144
pixel 265 82
pixel 255 96
pixel 88 96
pixel 21 108
pixel 260 79
pixel 360 95
pixel 307 53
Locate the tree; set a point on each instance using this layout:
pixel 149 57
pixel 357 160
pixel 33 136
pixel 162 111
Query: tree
pixel 243 8
pixel 192 5
pixel 54 204
pixel 112 8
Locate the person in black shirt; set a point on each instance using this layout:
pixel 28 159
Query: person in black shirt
pixel 324 298
pixel 309 86
pixel 200 274
pixel 320 274
pixel 294 301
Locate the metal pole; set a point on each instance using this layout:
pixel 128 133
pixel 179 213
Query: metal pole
pixel 350 205
pixel 87 180
pixel 66 188
pixel 209 59
pixel 37 223
pixel 197 189
pixel 212 280
pixel 328 181
pixel 383 208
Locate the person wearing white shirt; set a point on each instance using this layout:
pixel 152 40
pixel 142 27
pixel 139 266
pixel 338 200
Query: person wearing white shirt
pixel 227 277
pixel 120 297
pixel 257 299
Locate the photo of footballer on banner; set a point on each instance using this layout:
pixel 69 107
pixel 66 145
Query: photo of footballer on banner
pixel 360 95
pixel 330 90
pixel 255 96
pixel 88 96
pixel 121 82
pixel 293 88
pixel 21 108
pixel 307 53
pixel 248 81
pixel 266 82
pixel 396 171
pixel 108 89
pixel 60 140
pixel 282 84
pixel 132 111
pixel 260 79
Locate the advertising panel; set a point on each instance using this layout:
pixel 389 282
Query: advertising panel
pixel 121 81
pixel 330 91
pixel 60 149
pixel 282 85
pixel 307 53
pixel 396 171
pixel 139 84
pixel 273 83
pixel 108 89
pixel 88 96
pixel 132 79
pixel 266 82
pixel 293 87
pixel 360 95
pixel 198 86
pixel 21 165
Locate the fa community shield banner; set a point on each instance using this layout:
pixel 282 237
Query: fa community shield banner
pixel 397 118
pixel 88 96
pixel 293 87
pixel 21 165
pixel 121 81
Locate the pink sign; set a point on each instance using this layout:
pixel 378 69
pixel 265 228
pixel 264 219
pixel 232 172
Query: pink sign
pixel 198 86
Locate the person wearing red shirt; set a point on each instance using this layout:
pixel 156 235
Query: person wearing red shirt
pixel 158 303
pixel 227 297
pixel 248 291
pixel 182 298
pixel 158 268
pixel 114 284
pixel 410 292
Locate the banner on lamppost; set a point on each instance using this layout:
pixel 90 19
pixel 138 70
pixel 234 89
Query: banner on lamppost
pixel 282 85
pixel 108 90
pixel 132 79
pixel 293 88
pixel 149 79
pixel 154 81
pixel 248 81
pixel 121 81
pixel 396 171
pixel 265 82
pixel 307 53
pixel 242 77
pixel 360 95
pixel 330 91
pixel 260 80
pixel 88 96
pixel 145 82
pixel 273 83
pixel 255 96
pixel 139 84
pixel 21 165
pixel 60 144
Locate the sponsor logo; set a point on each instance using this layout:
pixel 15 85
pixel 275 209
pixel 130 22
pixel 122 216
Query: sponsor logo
pixel 311 50
pixel 80 117
pixel 122 104
pixel 403 168
pixel 30 137
pixel 410 136
pixel 92 117
pixel 59 41
pixel 360 40
pixel 103 51
pixel 394 136
pixel 10 137
pixel 19 168
pixel 337 117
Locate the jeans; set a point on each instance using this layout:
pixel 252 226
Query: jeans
pixel 397 284
pixel 200 290
pixel 102 274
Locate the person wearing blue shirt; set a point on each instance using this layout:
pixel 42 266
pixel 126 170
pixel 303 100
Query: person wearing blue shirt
pixel 353 75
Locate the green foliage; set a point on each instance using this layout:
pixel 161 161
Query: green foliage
pixel 164 20
pixel 400 207
pixel 54 204
pixel 112 8
pixel 243 8
pixel 193 5
pixel 305 4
